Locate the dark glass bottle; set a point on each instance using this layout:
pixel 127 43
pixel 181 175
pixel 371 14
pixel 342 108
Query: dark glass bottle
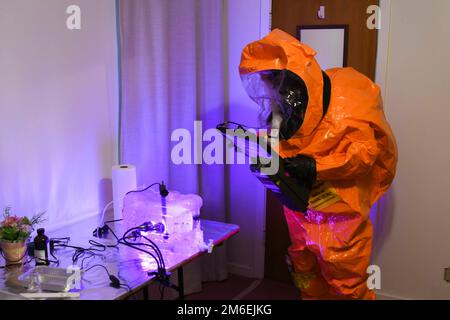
pixel 41 248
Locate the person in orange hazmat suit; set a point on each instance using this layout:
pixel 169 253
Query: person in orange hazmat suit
pixel 335 139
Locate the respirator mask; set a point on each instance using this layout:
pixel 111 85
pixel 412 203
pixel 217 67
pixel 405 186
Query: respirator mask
pixel 282 98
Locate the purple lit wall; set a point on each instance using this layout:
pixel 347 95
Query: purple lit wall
pixel 58 108
pixel 247 205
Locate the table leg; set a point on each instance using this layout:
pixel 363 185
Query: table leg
pixel 180 283
pixel 145 293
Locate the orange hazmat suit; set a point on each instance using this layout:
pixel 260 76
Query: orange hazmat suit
pixel 346 134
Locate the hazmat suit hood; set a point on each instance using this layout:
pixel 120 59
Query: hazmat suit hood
pixel 282 75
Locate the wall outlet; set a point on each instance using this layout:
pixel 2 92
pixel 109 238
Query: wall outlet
pixel 447 274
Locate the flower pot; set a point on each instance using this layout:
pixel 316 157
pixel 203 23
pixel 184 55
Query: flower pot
pixel 13 252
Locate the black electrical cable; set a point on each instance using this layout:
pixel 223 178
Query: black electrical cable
pixel 61 240
pixel 97 265
pixel 80 251
pixel 85 258
pixel 94 244
pixel 161 273
pixel 115 282
pixel 155 247
pixel 239 125
pixel 99 247
pixel 113 233
pixel 56 241
pixel 56 259
pixel 158 251
pixel 138 191
pixel 145 251
pixel 160 260
pixel 132 233
pixel 124 241
pixel 162 189
pixel 126 286
pixel 112 221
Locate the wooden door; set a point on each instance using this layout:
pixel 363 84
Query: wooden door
pixel 361 55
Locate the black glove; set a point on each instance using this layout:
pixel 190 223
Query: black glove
pixel 302 169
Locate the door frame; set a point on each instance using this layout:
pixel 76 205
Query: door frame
pixel 381 74
pixel 265 26
pixel 383 46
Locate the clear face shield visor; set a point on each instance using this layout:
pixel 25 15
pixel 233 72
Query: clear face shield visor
pixel 281 97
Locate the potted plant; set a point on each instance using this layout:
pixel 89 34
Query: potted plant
pixel 14 235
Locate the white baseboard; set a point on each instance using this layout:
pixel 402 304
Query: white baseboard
pixel 387 296
pixel 241 270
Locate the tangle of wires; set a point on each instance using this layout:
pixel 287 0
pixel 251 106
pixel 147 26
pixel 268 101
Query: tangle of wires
pixel 134 238
pixel 87 253
pixel 79 252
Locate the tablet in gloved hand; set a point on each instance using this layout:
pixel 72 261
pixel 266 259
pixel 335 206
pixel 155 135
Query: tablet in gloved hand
pixel 247 141
pixel 267 165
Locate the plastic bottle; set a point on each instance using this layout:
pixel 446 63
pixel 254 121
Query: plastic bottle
pixel 41 248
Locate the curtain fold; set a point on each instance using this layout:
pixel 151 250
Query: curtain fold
pixel 173 73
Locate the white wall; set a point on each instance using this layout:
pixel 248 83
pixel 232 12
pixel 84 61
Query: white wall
pixel 413 239
pixel 58 107
pixel 247 21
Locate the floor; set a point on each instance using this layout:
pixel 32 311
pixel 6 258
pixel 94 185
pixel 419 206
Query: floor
pixel 236 288
pixel 240 288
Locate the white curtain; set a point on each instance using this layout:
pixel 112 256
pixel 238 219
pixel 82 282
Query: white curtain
pixel 173 73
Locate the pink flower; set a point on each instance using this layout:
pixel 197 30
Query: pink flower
pixel 25 228
pixel 12 221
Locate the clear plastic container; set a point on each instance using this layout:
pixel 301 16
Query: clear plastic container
pixel 177 211
pixel 43 278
